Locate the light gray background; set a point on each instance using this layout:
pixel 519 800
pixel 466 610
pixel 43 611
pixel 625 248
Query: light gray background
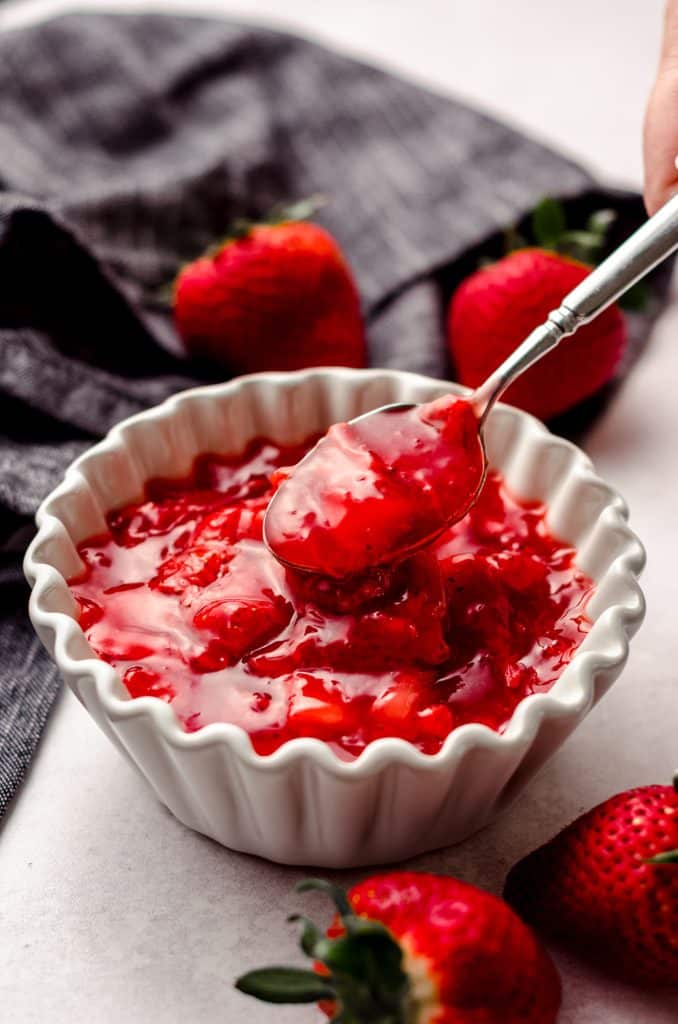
pixel 110 910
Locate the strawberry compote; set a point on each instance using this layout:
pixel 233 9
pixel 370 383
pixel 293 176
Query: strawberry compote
pixel 378 487
pixel 182 596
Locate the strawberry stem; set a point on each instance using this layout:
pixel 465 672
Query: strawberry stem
pixel 548 230
pixel 282 213
pixel 302 209
pixel 335 892
pixel 364 976
pixel 669 856
pixel 548 222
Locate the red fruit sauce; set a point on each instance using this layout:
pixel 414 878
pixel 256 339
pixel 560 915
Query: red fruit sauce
pixel 184 599
pixel 376 488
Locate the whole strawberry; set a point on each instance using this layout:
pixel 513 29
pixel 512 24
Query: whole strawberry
pixel 608 885
pixel 276 296
pixel 409 948
pixel 495 309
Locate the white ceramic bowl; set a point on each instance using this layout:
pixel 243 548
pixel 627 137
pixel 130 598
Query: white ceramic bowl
pixel 301 805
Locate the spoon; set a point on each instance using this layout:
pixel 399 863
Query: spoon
pixel 389 482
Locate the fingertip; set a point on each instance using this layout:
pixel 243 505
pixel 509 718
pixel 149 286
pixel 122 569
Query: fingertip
pixel 658 191
pixel 652 202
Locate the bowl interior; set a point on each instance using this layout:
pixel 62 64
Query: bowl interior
pixel 288 407
pixel 581 508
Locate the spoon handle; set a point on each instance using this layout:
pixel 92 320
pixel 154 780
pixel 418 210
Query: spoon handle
pixel 634 258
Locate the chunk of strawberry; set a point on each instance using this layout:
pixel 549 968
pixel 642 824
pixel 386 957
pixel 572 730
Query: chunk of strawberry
pixel 520 677
pixel 521 572
pixel 195 567
pixel 435 722
pixel 145 682
pixel 394 712
pixel 89 612
pixel 242 624
pixel 319 708
pixel 136 523
pixel 232 523
pixel 345 596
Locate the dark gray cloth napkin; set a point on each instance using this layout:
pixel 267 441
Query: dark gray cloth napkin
pixel 128 143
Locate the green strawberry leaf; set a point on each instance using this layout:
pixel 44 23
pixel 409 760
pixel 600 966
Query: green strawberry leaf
pixel 583 239
pixel 580 245
pixel 337 894
pixel 366 978
pixel 302 209
pixel 358 953
pixel 309 936
pixel 285 985
pixel 548 222
pixel 670 857
pixel 600 222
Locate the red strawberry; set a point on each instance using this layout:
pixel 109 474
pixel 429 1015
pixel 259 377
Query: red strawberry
pixel 496 308
pixel 412 948
pixel 608 884
pixel 278 296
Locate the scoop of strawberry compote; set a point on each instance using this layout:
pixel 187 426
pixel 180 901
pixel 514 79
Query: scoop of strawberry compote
pixel 377 488
pixel 182 596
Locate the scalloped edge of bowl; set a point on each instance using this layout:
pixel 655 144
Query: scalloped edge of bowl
pixel 576 495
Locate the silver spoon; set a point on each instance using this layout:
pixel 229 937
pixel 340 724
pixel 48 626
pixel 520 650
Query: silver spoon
pixel 636 257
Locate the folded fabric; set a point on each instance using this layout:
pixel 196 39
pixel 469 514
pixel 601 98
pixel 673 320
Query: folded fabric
pixel 127 144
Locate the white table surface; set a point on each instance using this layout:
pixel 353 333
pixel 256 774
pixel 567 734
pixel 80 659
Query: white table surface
pixel 110 910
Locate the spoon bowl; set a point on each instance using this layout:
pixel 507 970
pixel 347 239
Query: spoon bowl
pixel 375 490
pixel 380 487
pixel 405 550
